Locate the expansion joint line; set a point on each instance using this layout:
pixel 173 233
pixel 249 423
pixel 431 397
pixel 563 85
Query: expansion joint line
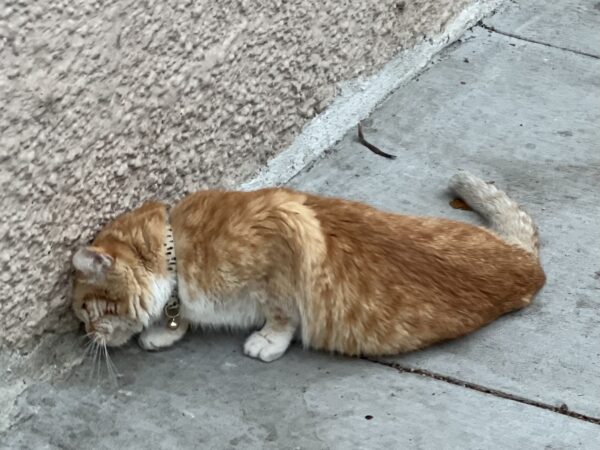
pixel 535 41
pixel 562 409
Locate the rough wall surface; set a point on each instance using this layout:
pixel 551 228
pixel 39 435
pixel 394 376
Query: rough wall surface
pixel 106 104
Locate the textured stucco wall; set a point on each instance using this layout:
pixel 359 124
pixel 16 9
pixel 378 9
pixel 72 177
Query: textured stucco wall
pixel 106 104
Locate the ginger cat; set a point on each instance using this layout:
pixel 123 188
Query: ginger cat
pixel 349 278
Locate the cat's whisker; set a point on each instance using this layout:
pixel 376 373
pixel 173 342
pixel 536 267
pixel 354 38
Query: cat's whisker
pixel 86 343
pixel 110 368
pixel 93 355
pixel 88 349
pixel 96 350
pixel 112 364
pixel 97 363
pixel 89 338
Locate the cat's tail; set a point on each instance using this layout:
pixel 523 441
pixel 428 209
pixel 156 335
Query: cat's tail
pixel 505 216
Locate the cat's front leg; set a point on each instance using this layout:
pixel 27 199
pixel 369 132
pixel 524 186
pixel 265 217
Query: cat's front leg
pixel 159 336
pixel 271 342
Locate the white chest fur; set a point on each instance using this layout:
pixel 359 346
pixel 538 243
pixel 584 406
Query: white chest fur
pixel 236 313
pixel 160 291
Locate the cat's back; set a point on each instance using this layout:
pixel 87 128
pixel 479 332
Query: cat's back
pixel 415 280
pixel 220 209
pixel 366 281
pixel 429 249
pixel 357 237
pixel 243 233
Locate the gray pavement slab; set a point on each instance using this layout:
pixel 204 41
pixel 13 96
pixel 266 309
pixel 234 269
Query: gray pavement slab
pixel 205 394
pixel 573 24
pixel 525 116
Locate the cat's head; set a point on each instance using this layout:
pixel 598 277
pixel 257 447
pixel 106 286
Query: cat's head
pixel 117 287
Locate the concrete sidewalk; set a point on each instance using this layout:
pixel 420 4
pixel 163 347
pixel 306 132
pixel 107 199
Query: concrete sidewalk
pixel 525 115
pixel 516 101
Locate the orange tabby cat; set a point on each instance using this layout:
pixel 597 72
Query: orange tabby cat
pixel 348 277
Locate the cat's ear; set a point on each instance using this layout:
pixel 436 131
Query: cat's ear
pixel 93 262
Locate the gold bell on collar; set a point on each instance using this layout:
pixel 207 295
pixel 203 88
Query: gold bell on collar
pixel 172 315
pixel 172 323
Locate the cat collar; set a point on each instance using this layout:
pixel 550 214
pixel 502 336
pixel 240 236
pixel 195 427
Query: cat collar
pixel 171 309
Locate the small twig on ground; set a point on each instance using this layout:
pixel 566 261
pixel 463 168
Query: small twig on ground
pixel 370 146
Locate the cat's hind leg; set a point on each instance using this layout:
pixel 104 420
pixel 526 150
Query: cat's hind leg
pixel 159 336
pixel 271 342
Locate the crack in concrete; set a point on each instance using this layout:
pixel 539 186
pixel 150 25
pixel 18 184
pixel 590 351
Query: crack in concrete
pixel 535 41
pixel 562 409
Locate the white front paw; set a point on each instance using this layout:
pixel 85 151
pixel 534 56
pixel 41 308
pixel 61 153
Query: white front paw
pixel 158 337
pixel 266 346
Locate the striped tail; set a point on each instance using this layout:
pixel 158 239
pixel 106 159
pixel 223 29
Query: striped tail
pixel 505 216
